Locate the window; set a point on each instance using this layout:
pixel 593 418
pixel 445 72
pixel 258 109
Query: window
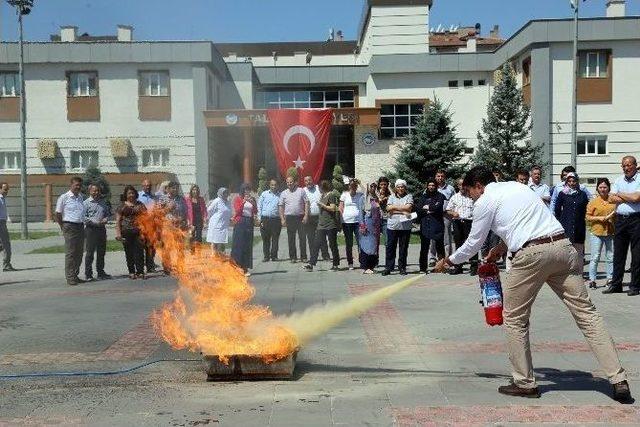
pixel 10 160
pixel 453 84
pixel 83 84
pixel 594 64
pixel 9 84
pixel 155 158
pixel 397 120
pixel 591 181
pixel 83 159
pixel 306 99
pixel 154 83
pixel 482 82
pixel 526 72
pixel 592 145
pixel 468 83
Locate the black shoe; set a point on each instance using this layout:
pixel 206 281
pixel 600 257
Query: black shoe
pixel 308 267
pixel 455 271
pixel 633 292
pixel 265 260
pixel 151 270
pixel 473 271
pixel 79 280
pixel 612 290
pixel 335 268
pixel 89 278
pixel 275 259
pixel 386 273
pixel 104 276
pixel 514 390
pixel 622 392
pixel 9 268
pixel 403 272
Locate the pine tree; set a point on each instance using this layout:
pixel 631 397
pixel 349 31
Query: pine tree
pixel 293 173
pixel 433 145
pixel 92 176
pixel 263 184
pixel 336 182
pixel 504 142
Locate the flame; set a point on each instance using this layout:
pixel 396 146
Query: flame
pixel 212 311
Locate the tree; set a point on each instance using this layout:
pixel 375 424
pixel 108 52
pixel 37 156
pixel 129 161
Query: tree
pixel 336 179
pixel 263 184
pixel 433 145
pixel 504 142
pixel 293 173
pixel 93 176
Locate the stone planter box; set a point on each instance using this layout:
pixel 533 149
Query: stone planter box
pixel 249 368
pixel 120 147
pixel 47 149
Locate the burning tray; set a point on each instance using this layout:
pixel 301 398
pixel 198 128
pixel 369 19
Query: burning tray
pixel 242 367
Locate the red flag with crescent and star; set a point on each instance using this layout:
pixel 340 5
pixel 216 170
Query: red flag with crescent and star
pixel 300 138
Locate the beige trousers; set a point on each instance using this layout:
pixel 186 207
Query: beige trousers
pixel 557 264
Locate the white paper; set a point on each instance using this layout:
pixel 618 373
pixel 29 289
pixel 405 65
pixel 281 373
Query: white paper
pixel 411 217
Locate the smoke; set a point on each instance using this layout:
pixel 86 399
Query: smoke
pixel 316 321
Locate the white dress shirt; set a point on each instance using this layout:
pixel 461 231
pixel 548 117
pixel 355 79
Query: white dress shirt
pixel 71 207
pixel 461 205
pixel 512 211
pixel 313 197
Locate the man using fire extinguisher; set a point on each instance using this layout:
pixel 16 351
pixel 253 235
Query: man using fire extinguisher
pixel 542 253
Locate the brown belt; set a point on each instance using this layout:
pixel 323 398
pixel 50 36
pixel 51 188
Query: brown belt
pixel 543 240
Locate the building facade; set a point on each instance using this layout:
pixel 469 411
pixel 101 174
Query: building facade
pixel 196 111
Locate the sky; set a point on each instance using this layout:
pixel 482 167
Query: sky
pixel 267 20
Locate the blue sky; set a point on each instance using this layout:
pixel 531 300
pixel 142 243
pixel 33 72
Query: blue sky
pixel 267 20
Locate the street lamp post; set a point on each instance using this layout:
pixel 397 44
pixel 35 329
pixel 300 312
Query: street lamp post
pixel 575 4
pixel 23 7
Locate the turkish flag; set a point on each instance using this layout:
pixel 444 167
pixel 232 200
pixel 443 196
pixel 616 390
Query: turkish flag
pixel 300 138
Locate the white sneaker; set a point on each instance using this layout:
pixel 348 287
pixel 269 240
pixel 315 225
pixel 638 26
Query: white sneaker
pixel 247 274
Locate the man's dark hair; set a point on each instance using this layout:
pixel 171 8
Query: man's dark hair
pixel 568 169
pixel 76 179
pixel 172 184
pixel 325 186
pixel 383 179
pixel 478 175
pixel 522 172
pixel 440 171
pixel 536 167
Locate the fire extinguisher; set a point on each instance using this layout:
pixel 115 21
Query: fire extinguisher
pixel 491 292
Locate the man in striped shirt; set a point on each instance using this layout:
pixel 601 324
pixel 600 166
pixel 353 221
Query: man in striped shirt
pixel 460 210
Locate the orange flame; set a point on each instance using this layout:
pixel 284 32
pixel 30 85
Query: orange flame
pixel 211 311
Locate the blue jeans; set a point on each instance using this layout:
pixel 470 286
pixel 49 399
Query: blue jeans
pixel 596 247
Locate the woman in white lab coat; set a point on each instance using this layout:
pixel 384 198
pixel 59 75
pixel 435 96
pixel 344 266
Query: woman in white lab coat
pixel 219 212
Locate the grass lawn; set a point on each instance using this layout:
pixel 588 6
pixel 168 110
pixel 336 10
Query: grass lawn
pixel 33 235
pixel 112 246
pixel 415 240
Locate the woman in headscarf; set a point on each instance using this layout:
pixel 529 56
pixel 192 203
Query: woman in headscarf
pixel 399 207
pixel 245 209
pixel 370 225
pixel 219 212
pixel 430 209
pixel 571 211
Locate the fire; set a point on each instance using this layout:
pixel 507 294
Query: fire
pixel 212 311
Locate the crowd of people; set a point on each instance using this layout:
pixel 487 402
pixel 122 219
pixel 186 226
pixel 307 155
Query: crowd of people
pixel 366 216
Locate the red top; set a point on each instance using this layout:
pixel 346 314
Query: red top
pixel 238 207
pixel 201 206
